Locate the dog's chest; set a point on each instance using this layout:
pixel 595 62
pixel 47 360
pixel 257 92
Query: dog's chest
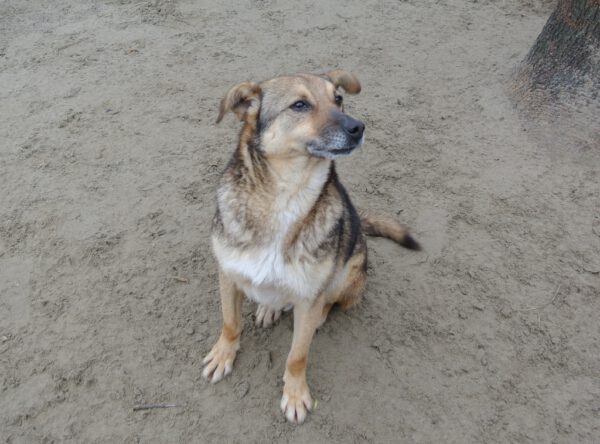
pixel 266 271
pixel 275 270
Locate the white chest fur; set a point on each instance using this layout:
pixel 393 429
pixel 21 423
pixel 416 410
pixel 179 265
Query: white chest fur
pixel 264 274
pixel 267 274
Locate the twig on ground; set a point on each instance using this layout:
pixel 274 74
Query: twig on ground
pixel 546 304
pixel 181 279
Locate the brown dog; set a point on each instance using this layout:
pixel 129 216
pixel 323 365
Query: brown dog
pixel 285 232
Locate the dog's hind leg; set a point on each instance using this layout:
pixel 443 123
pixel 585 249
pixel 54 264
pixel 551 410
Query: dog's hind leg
pixel 219 361
pixel 350 291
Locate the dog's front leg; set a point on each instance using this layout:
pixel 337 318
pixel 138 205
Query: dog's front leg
pixel 219 362
pixel 296 400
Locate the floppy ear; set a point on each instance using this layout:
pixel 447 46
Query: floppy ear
pixel 242 99
pixel 342 78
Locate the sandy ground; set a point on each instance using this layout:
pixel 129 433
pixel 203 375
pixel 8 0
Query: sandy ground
pixel 109 159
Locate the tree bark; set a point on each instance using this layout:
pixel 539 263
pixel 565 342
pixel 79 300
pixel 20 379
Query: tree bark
pixel 557 86
pixel 566 54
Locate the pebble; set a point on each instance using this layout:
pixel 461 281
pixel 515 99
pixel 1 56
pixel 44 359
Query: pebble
pixel 478 306
pixel 506 312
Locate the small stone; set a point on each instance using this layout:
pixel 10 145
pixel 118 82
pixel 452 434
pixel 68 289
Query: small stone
pixel 3 339
pixel 462 314
pixel 596 227
pixel 506 312
pixel 592 268
pixel 478 306
pixel 190 330
pixel 72 93
pixel 483 361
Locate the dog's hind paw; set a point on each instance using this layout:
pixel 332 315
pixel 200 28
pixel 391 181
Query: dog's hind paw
pixel 267 316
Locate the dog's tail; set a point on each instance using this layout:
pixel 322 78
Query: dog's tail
pixel 384 227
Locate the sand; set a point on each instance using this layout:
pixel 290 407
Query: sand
pixel 109 160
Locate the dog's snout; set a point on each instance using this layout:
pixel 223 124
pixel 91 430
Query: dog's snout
pixel 353 127
pixel 340 137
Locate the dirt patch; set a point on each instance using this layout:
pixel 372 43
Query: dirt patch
pixel 108 289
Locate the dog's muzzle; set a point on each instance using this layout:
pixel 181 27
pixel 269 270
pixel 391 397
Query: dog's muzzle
pixel 339 139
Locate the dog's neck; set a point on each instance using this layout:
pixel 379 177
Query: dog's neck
pixel 289 174
pixel 299 174
pixel 278 189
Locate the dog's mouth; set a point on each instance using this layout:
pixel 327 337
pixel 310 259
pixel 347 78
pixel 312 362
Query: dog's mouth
pixel 337 146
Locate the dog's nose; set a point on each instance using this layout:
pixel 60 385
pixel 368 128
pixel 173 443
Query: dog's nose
pixel 353 127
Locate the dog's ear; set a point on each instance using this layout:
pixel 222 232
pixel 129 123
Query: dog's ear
pixel 242 99
pixel 342 78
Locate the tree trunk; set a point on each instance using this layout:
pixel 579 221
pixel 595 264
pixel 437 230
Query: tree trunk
pixel 566 54
pixel 557 87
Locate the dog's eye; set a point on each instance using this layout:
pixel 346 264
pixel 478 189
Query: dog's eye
pixel 300 105
pixel 339 100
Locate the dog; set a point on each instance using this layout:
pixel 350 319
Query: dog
pixel 285 233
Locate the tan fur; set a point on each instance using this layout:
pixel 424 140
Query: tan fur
pixel 239 99
pixel 344 79
pixel 381 226
pixel 352 289
pixel 285 232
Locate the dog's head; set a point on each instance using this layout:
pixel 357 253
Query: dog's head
pixel 298 115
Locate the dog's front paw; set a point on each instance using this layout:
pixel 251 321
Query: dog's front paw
pixel 219 362
pixel 296 401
